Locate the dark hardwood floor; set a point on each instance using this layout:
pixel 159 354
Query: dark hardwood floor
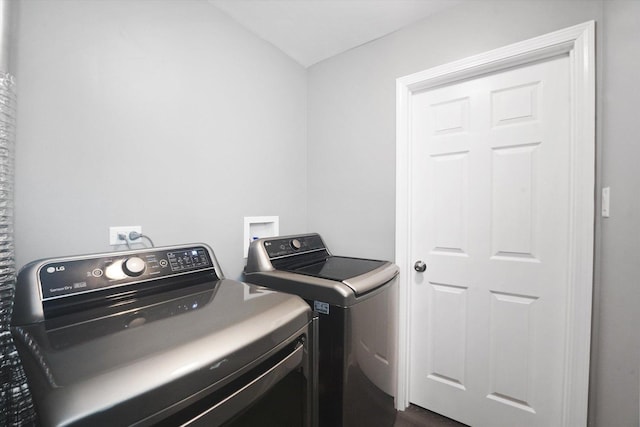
pixel 415 416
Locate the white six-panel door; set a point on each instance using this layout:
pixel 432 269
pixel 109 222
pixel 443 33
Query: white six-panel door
pixel 490 218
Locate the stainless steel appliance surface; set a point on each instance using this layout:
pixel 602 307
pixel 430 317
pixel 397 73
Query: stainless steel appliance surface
pixel 159 337
pixel 356 300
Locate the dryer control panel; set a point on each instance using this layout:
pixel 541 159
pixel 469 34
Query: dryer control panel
pixel 72 280
pixel 67 277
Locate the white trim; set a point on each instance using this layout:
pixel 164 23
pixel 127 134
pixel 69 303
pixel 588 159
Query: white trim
pixel 579 43
pixel 256 227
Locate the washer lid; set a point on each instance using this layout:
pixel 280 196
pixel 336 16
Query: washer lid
pixel 338 268
pixel 341 277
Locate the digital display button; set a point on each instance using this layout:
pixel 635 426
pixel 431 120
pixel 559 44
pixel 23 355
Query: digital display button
pixel 188 260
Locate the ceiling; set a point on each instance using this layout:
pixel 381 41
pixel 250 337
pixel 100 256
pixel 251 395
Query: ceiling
pixel 312 30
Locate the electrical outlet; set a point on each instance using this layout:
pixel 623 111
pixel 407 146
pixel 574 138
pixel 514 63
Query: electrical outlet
pixel 125 229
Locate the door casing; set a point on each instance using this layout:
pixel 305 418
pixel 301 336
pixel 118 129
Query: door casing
pixel 579 43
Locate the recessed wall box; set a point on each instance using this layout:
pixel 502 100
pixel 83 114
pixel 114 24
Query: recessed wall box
pixel 257 227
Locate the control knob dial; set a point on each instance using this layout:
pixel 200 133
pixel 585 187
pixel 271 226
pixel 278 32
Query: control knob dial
pixel 133 267
pixel 296 244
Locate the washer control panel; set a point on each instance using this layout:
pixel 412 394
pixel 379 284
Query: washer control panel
pixel 293 245
pixel 66 277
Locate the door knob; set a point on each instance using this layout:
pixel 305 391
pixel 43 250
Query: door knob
pixel 419 266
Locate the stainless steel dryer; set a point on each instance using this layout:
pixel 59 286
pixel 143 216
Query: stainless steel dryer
pixel 356 300
pixel 159 337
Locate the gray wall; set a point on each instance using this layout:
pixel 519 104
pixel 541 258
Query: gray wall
pixel 164 114
pixel 351 146
pixel 618 295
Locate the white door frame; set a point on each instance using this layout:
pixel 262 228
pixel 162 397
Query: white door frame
pixel 579 43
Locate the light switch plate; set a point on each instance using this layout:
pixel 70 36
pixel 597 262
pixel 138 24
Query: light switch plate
pixel 606 200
